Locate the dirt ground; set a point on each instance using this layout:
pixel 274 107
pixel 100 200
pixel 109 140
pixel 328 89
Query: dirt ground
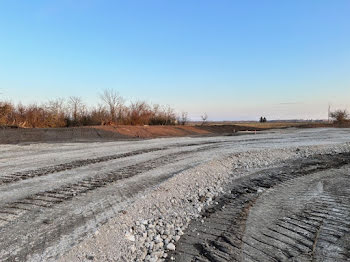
pixel 124 132
pixel 112 133
pixel 176 131
pixel 54 196
pixel 297 212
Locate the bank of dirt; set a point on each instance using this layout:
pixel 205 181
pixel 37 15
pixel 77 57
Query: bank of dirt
pixel 112 133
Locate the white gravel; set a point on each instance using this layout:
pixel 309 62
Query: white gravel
pixel 150 227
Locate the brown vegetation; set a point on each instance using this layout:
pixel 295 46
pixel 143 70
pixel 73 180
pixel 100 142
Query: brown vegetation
pixel 73 112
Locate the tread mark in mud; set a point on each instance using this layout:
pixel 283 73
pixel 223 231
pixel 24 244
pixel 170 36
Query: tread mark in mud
pixel 322 223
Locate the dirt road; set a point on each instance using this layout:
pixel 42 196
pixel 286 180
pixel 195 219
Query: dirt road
pixel 53 195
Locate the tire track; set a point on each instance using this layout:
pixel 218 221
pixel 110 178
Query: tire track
pixel 46 199
pixel 28 174
pixel 56 223
pixel 318 226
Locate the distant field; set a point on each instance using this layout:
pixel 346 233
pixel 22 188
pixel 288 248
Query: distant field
pixel 273 125
pixel 269 125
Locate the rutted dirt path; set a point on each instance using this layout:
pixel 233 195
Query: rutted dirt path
pixel 49 228
pixel 52 196
pixel 299 212
pixel 28 174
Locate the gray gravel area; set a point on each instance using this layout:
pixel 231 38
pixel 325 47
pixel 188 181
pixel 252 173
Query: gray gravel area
pixel 130 201
pixel 295 212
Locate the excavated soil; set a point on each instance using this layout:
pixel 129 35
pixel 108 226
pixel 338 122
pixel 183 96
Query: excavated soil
pixel 112 133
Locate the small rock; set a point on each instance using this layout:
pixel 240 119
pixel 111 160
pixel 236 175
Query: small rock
pixel 129 236
pixel 132 249
pixel 260 190
pixel 170 246
pixel 158 254
pixel 143 255
pixel 159 245
pixel 158 239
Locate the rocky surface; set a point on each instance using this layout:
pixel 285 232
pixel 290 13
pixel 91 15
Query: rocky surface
pixel 130 201
pixel 149 229
pixel 295 212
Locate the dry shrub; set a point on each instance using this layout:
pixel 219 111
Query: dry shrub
pixel 61 113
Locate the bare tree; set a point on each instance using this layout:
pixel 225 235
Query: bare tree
pixel 204 118
pixel 170 115
pixel 56 109
pixel 21 117
pixel 56 106
pixel 139 113
pixel 340 116
pixel 77 107
pixel 184 118
pixel 99 115
pixel 73 112
pixel 114 102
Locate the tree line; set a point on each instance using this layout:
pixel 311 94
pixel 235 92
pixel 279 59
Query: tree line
pixel 112 110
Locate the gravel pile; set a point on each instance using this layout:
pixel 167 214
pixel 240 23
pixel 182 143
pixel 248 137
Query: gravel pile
pixel 149 228
pixel 154 237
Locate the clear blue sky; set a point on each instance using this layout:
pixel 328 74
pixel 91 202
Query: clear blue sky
pixel 231 59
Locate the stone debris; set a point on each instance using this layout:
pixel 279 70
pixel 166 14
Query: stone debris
pixel 157 236
pixel 155 222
